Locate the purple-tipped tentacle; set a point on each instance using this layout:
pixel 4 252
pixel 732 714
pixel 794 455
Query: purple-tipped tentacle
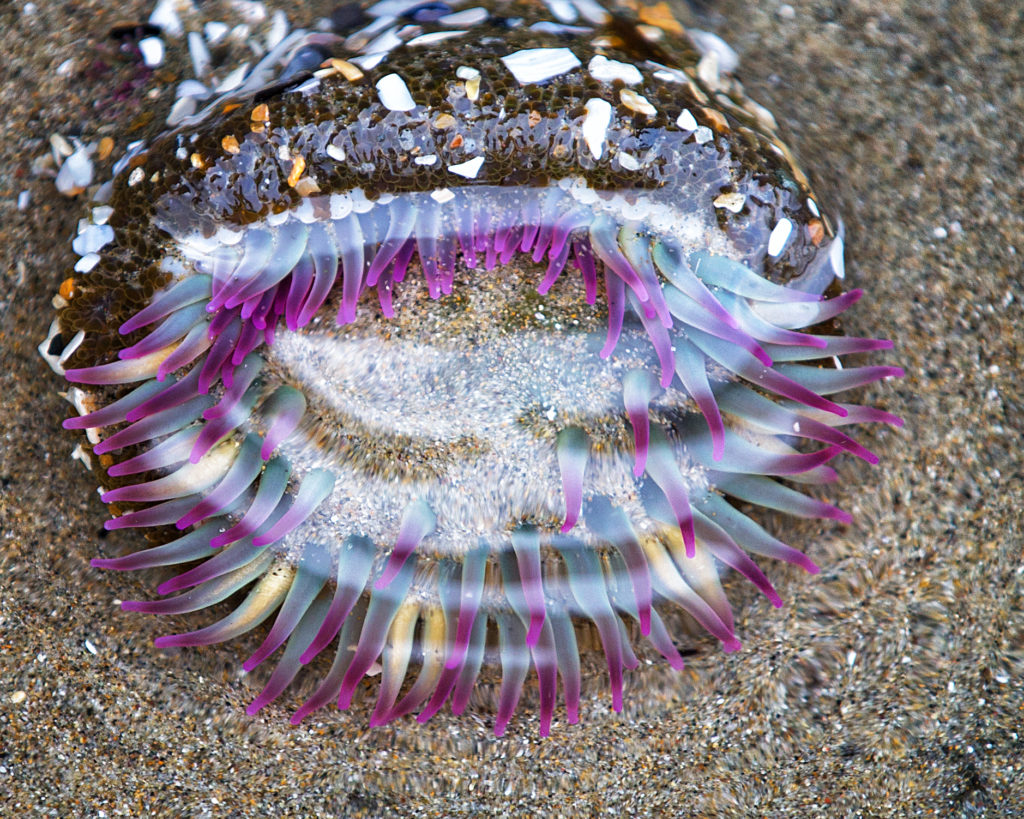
pixel 794 316
pixel 242 474
pixel 573 453
pixel 745 457
pixel 526 546
pixel 693 315
pixel 310 577
pixel 323 248
pixel 638 389
pixel 245 375
pixel 155 426
pixel 470 666
pixel 615 293
pixel 834 346
pixel 753 537
pixel 262 600
pixel 673 265
pixel 828 381
pixel 661 466
pixel 543 650
pixel 670 584
pixel 172 451
pixel 763 413
pixel 568 657
pixel 179 295
pixel 349 237
pixel 271 489
pixel 220 353
pixel 432 645
pixel 474 565
pixel 172 393
pixel 773 495
pixel 756 326
pixel 691 367
pixel 172 329
pixel 354 564
pixel 736 277
pixel 400 228
pixel 116 411
pixel 587 584
pixel 635 244
pixel 195 343
pixel 191 546
pixel 725 549
pixel 612 525
pixel 119 372
pixel 209 593
pixel 604 241
pixel 257 252
pixel 329 687
pixel 282 412
pixel 219 563
pixel 515 663
pixel 289 665
pixel 289 245
pixel 428 227
pixel 313 490
pixel 385 601
pixel 160 515
pixel 745 365
pixel 418 521
pixel 660 340
pixel 584 257
pixel 216 429
pixel 300 282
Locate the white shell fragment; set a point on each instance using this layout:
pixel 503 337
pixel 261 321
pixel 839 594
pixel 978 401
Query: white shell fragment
pixel 730 201
pixel 394 93
pixel 707 43
pixel 540 64
pixel 165 15
pixel 75 173
pixel 835 256
pixel 605 70
pixel 595 124
pixel 152 49
pixel 637 102
pixel 468 169
pixel 91 238
pixel 685 121
pixel 779 236
pixel 466 17
pixel 434 37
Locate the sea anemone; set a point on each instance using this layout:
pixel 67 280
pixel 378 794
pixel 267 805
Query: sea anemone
pixel 460 347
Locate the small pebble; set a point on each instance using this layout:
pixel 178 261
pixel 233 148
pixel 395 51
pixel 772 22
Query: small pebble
pixel 18 697
pixel 24 198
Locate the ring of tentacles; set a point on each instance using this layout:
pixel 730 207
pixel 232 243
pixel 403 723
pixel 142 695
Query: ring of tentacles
pixel 444 357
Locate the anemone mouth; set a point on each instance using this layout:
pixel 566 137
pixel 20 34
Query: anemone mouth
pixel 357 411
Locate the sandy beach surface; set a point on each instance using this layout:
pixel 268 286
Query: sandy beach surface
pixel 889 685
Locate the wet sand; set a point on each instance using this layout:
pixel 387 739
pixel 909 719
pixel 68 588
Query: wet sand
pixel 889 685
